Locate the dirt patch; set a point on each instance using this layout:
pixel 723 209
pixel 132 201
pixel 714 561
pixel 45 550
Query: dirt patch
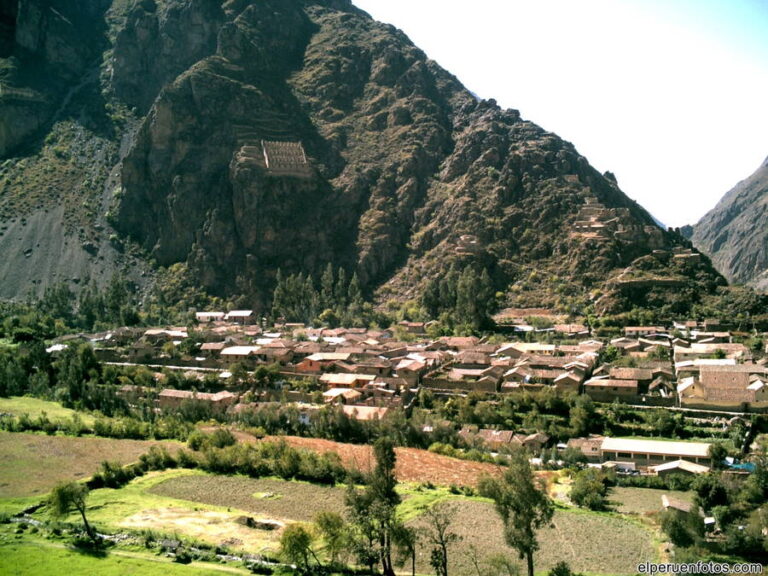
pixel 219 528
pixel 643 501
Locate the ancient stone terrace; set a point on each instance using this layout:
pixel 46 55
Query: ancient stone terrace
pixel 277 158
pixel 285 158
pixel 596 223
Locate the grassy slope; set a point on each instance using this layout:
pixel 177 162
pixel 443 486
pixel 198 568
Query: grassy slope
pixel 590 542
pixel 34 463
pixel 197 505
pixel 18 405
pixel 32 557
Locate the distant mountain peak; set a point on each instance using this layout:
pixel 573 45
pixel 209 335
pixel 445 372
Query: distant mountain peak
pixel 735 232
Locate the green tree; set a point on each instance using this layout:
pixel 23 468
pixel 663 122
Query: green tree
pixel 68 496
pixel 406 539
pixel 333 529
pixel 609 354
pixel 588 490
pixel 326 296
pixel 296 546
pixel 341 290
pixel 355 303
pixel 561 569
pixel 710 491
pixel 683 528
pixel 278 295
pixel 522 503
pixel 718 452
pixel 373 510
pixel 582 415
pixel 57 302
pixel 440 536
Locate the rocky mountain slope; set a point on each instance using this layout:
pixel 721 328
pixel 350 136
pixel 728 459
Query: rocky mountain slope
pixel 735 232
pixel 237 137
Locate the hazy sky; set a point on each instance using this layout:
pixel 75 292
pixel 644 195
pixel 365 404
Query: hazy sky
pixel 669 95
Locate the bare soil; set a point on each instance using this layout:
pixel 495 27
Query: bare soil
pixel 413 465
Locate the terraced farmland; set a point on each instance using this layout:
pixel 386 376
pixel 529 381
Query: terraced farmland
pixel 267 498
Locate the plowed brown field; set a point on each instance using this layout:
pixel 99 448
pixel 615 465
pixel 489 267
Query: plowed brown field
pixel 413 465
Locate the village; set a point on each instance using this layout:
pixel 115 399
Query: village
pixel 695 368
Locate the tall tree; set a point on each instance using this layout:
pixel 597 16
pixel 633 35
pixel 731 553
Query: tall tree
pixel 326 288
pixel 341 290
pixel 373 510
pixel 296 546
pixel 522 503
pixel 440 536
pixel 334 531
pixel 68 496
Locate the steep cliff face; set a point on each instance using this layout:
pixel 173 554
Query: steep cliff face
pixel 45 48
pixel 160 41
pixel 266 134
pixel 735 232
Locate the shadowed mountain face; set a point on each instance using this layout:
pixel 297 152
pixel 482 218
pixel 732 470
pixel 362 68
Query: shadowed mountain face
pixel 239 137
pixel 735 232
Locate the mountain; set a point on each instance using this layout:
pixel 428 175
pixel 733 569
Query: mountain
pixel 229 139
pixel 735 232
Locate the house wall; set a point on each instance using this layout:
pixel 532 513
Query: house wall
pixel 648 459
pixel 467 386
pixel 611 393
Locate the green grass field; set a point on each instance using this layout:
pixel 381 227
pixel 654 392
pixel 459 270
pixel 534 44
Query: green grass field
pixel 18 405
pixel 32 557
pixel 198 506
pixel 138 506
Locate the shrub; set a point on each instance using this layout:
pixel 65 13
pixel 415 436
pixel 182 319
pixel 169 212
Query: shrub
pixel 589 489
pixel 157 459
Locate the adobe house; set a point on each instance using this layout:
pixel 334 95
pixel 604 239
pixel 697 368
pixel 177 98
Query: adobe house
pixel 240 316
pixel 608 390
pixel 170 399
pixel 321 361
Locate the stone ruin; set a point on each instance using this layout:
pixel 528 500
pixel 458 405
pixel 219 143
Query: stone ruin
pixel 468 244
pixel 277 158
pixel 596 223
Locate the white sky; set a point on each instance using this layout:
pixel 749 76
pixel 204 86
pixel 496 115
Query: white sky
pixel 669 95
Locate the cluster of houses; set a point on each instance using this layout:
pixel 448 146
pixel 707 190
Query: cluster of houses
pixel 628 455
pixel 689 364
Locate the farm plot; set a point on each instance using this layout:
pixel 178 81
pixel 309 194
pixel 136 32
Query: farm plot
pixel 34 463
pixel 589 542
pixel 642 501
pixel 413 465
pixel 270 499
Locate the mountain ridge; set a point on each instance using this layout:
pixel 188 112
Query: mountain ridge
pixel 408 173
pixel 735 232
